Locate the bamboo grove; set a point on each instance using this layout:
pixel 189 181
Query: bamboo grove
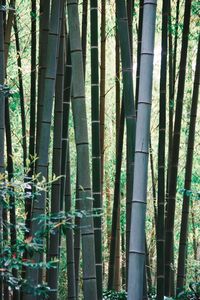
pixel 99 149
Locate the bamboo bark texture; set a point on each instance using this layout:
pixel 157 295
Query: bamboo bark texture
pixel 137 236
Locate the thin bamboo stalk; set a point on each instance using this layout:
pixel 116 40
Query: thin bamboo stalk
pixel 54 238
pixel 102 88
pixel 84 32
pixel 160 226
pixel 139 42
pixel 10 169
pixel 69 237
pixel 2 128
pixel 21 92
pixel 8 29
pixel 116 205
pixel 96 154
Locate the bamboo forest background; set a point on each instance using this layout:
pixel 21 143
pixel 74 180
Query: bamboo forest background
pixel 99 149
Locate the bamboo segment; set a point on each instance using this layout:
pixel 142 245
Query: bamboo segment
pixel 137 237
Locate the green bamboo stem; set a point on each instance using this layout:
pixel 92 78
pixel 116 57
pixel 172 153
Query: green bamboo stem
pixel 69 236
pixel 2 128
pixel 10 169
pixel 21 92
pixel 43 42
pixel 137 236
pixel 37 227
pixel 8 30
pixel 175 154
pixel 139 42
pixel 128 97
pixel 102 89
pixel 96 155
pixel 84 32
pixel 54 239
pixel 81 138
pixel 116 205
pixel 160 226
pixel 181 274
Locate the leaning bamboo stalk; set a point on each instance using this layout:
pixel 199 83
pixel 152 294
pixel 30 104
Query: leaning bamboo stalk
pixel 137 236
pixel 188 177
pixel 81 138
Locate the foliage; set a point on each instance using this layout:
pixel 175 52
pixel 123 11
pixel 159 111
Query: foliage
pixel 113 295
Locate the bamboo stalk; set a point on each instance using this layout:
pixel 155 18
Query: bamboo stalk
pixel 2 128
pixel 81 138
pixel 175 154
pixel 160 226
pixel 181 274
pixel 44 138
pixel 137 237
pixel 54 239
